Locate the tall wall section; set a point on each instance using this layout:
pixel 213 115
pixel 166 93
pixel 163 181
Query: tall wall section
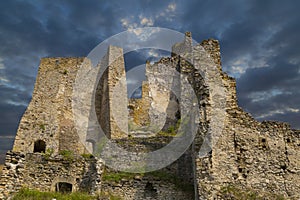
pixel 49 116
pixel 235 156
pixel 139 109
pixel 111 95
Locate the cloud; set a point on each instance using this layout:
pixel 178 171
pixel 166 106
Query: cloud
pixel 144 21
pixel 1 64
pixel 7 137
pixel 271 92
pixel 132 23
pixel 171 7
pixel 168 13
pixel 3 79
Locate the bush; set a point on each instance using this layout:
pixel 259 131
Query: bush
pixel 43 127
pixel 48 153
pixel 67 155
pixel 87 155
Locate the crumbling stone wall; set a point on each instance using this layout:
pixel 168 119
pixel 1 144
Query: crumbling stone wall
pixel 163 80
pixel 254 157
pixel 158 108
pixel 140 188
pixel 111 95
pixel 37 171
pixel 139 108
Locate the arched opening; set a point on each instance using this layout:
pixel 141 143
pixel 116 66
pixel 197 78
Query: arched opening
pixel 39 146
pixel 63 187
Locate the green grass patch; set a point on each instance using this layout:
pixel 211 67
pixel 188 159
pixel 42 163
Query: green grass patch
pixel 48 153
pixel 43 127
pixel 27 194
pixel 87 156
pixel 65 72
pixel 67 155
pixel 118 176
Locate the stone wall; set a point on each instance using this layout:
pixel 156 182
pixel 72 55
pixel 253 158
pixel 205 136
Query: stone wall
pixel 111 96
pixel 146 188
pixel 158 108
pixel 161 184
pixel 139 108
pixel 117 93
pixel 163 78
pixel 260 157
pixel 255 158
pixel 37 171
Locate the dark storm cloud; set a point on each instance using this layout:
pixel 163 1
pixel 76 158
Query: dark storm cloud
pixel 54 28
pixel 9 119
pixel 5 144
pixel 269 89
pixel 291 117
pixel 207 19
pixel 270 32
pixel 281 75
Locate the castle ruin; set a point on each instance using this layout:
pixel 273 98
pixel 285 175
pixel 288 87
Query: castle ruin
pixel 231 152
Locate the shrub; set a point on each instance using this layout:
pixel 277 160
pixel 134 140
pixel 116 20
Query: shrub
pixel 67 155
pixel 87 155
pixel 48 153
pixel 42 127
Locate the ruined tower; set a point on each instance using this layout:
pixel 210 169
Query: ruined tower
pixel 48 121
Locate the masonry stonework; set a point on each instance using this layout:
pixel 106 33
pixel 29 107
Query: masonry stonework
pixel 111 95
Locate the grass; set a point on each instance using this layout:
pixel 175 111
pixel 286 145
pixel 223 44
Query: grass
pixel 1 167
pixel 42 127
pixel 87 156
pixel 67 155
pixel 118 176
pixel 27 194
